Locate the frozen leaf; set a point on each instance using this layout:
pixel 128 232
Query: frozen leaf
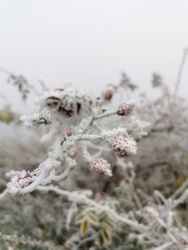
pixel 79 219
pixel 101 240
pixel 110 224
pixel 106 234
pixel 93 219
pixel 84 227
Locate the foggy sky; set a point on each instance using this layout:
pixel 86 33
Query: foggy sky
pixel 90 42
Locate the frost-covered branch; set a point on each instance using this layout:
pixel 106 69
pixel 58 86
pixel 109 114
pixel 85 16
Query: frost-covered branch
pixel 81 198
pixel 71 117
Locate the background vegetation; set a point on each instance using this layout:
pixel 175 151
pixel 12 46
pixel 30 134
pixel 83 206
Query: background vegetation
pixel 148 189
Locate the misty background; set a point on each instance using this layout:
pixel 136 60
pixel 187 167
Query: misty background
pixel 90 43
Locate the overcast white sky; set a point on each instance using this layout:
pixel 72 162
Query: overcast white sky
pixel 90 42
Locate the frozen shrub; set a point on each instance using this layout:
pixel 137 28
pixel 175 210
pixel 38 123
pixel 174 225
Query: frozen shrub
pixel 114 150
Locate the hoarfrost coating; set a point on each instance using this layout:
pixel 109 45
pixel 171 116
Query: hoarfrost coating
pixel 74 123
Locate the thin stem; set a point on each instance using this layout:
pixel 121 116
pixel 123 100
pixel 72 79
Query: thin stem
pixel 164 246
pixel 82 199
pixel 4 193
pixel 180 71
pixel 181 199
pixel 105 114
pixel 180 190
pixel 26 83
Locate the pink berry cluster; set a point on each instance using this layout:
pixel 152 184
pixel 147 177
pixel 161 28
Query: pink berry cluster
pixel 21 180
pixel 124 146
pixel 125 109
pixel 100 166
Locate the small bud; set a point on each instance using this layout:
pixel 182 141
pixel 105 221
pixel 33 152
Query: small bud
pixel 69 131
pixel 68 244
pixel 100 166
pixel 124 146
pixel 152 212
pixel 108 94
pixel 125 109
pixel 72 151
